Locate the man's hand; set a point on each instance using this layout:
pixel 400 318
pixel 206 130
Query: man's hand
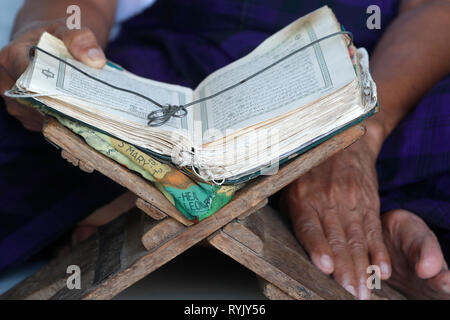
pixel 334 209
pixel 82 44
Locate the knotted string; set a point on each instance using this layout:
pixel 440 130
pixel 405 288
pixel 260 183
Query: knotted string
pixel 160 117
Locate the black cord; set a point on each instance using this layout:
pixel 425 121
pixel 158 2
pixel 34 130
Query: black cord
pixel 159 117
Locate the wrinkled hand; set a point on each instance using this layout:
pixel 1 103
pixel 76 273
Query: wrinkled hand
pixel 14 59
pixel 334 209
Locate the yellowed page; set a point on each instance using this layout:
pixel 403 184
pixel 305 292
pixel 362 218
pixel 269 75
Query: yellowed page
pixel 48 75
pixel 303 78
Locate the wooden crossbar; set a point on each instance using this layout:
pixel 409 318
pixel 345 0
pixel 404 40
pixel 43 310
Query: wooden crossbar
pixel 139 242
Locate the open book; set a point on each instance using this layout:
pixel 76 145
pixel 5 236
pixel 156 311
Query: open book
pixel 271 118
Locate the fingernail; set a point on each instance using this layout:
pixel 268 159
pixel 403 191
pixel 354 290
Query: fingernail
pixel 363 292
pixel 95 54
pixel 351 289
pixel 384 268
pixel 326 262
pixel 446 288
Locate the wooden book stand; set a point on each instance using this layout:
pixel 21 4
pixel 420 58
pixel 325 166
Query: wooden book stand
pixel 135 244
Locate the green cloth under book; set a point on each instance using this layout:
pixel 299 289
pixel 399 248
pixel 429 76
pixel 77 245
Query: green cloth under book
pixel 194 199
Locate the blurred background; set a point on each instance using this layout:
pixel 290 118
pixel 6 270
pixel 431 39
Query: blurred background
pixel 199 273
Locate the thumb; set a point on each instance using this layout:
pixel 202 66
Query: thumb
pixel 83 46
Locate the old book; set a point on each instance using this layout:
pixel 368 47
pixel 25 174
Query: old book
pixel 237 135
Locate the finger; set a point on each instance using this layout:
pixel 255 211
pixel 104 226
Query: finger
pixel 357 246
pixel 309 231
pixel 343 263
pixel 83 46
pixel 377 249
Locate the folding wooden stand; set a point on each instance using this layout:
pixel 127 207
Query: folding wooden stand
pixel 135 244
